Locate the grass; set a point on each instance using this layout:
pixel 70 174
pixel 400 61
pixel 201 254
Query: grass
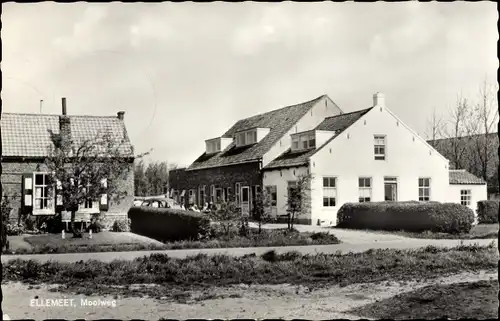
pixel 100 242
pixel 477 300
pixel 203 271
pixel 481 231
pixel 114 242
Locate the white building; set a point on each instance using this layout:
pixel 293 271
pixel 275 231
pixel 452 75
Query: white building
pixel 366 155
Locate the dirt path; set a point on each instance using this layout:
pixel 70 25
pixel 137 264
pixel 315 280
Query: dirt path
pixel 258 301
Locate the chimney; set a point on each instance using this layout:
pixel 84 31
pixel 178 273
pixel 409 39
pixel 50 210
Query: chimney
pixel 63 101
pixel 64 127
pixel 378 100
pixel 120 115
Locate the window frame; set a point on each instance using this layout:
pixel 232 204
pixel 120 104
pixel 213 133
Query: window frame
pixel 466 197
pixel 330 201
pixel 377 146
pixel 50 200
pixel 362 189
pixel 424 188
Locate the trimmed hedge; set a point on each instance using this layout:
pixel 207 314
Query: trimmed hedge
pixel 487 211
pixel 408 216
pixel 167 224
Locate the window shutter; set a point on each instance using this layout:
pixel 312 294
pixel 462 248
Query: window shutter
pixel 59 197
pixel 27 193
pixel 103 203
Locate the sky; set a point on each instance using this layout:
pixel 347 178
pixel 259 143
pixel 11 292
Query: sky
pixel 186 72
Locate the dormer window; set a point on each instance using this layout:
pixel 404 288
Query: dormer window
pixel 302 141
pixel 251 136
pixel 216 145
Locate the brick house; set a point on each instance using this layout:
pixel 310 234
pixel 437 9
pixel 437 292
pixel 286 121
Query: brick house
pixel 26 141
pixel 231 164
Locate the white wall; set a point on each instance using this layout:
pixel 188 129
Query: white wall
pixel 351 155
pixel 322 136
pixel 478 193
pixel 322 109
pixel 280 179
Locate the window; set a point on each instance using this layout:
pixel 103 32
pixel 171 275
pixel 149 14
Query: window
pixel 424 189
pixel 329 191
pixel 303 142
pixel 312 141
pixel 218 195
pixel 237 192
pixel 43 200
pixel 88 203
pixel 213 146
pixel 379 147
pixel 251 137
pixel 295 142
pixel 365 189
pixel 201 197
pixel 212 194
pixel 191 196
pixel 465 196
pixel 246 138
pixel 272 194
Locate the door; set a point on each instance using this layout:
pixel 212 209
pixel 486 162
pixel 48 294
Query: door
pixel 390 189
pixel 245 200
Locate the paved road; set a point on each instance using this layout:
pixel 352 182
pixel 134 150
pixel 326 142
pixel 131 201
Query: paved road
pixel 406 243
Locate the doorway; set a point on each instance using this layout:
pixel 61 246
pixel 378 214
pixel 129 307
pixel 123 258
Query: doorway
pixel 390 189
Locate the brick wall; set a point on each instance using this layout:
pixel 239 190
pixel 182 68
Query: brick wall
pixel 12 187
pixel 226 176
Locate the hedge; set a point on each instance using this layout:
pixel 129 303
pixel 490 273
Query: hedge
pixel 166 224
pixel 408 216
pixel 487 212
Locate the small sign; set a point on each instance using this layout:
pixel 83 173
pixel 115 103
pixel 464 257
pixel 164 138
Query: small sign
pixel 27 200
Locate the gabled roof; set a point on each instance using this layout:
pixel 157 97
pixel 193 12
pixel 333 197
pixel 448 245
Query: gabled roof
pixel 337 123
pixel 462 177
pixel 279 121
pixel 29 135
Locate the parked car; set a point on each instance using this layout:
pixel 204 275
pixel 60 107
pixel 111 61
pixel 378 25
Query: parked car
pixel 156 202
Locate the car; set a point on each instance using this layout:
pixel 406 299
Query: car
pixel 156 202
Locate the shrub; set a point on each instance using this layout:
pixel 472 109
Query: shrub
pixel 167 224
pixel 487 212
pixel 96 225
pixel 122 225
pixel 15 229
pixel 407 216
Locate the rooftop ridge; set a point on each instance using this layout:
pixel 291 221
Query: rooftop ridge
pixel 278 109
pixel 55 115
pixel 351 112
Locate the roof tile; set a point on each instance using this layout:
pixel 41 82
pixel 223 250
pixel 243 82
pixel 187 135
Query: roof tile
pixel 28 135
pixel 462 177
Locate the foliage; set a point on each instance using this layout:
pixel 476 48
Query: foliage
pixel 261 209
pixel 5 208
pixel 96 224
pixel 80 168
pixel 298 198
pixel 167 224
pixel 204 270
pixel 122 225
pixel 151 179
pixel 15 229
pixel 407 216
pixel 227 215
pixel 487 212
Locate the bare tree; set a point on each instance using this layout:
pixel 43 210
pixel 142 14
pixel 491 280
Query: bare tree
pixel 298 198
pixel 456 130
pixel 481 124
pixel 84 171
pixel 435 126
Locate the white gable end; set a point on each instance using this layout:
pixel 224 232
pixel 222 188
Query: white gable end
pixel 351 156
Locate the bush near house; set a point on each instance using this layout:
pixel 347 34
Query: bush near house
pixel 166 224
pixel 407 216
pixel 487 212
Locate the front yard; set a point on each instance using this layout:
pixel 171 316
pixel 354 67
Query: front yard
pixel 126 241
pixel 481 231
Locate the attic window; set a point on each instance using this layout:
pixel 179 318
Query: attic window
pixel 304 141
pixel 246 138
pixel 213 146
